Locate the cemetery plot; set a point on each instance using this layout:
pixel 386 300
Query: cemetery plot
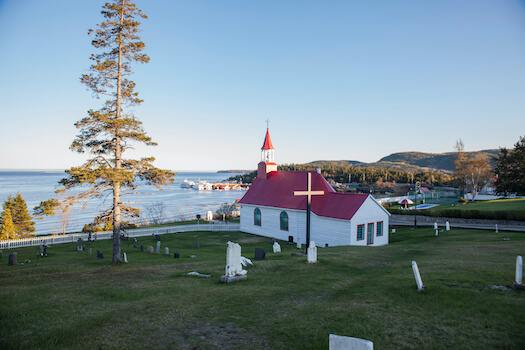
pixel 286 303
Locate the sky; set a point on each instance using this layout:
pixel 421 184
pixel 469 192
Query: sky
pixel 338 80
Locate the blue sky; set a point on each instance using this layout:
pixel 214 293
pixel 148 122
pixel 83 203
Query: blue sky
pixel 355 80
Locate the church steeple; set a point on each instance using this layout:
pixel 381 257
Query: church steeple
pixel 267 150
pixel 267 164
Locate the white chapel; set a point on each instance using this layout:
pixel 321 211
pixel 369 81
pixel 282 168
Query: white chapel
pixel 275 206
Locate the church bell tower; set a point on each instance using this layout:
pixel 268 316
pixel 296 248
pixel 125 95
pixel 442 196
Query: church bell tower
pixel 267 163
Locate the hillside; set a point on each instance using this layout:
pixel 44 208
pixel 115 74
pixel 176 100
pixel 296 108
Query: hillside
pixel 412 161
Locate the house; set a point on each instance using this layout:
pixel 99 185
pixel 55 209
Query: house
pixel 276 206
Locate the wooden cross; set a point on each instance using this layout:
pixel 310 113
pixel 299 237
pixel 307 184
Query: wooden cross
pixel 309 193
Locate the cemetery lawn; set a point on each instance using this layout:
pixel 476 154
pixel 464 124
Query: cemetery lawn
pixel 70 300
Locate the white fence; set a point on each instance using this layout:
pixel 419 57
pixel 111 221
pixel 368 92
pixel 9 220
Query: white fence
pixel 138 232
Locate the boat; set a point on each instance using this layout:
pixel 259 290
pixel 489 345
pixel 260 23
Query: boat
pixel 202 186
pixel 187 184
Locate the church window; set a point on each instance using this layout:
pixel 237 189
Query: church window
pixel 284 221
pixel 379 231
pixel 257 217
pixel 360 232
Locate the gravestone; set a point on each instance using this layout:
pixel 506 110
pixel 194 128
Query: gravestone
pixel 141 247
pixel 339 342
pixel 197 245
pixel 519 270
pixel 150 249
pixel 260 254
pixel 158 248
pixel 299 245
pixel 99 254
pixel 90 249
pixel 417 276
pixel 11 260
pixel 312 253
pixel 447 226
pixel 233 271
pixel 276 247
pixel 176 255
pixel 166 251
pixel 437 232
pixel 497 228
pixel 435 225
pixel 157 237
pixel 393 230
pixel 125 257
pixel 44 252
pixel 80 244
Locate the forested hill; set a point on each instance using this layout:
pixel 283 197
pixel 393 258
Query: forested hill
pixel 412 161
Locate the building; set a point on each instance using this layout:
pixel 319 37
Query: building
pixel 276 206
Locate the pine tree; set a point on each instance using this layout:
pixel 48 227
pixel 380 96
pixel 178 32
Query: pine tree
pixel 21 218
pixel 108 132
pixel 8 230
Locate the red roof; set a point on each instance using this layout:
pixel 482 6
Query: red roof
pixel 277 191
pixel 267 141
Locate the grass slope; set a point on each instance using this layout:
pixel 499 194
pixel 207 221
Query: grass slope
pixel 72 300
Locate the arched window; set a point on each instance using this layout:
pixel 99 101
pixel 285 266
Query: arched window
pixel 257 217
pixel 284 221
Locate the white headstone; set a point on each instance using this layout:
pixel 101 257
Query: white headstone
pixel 447 226
pixel 166 251
pixel 312 253
pixel 233 260
pixel 417 276
pixel 435 225
pixel 437 232
pixel 276 248
pixel 209 215
pixel 519 270
pixel 338 342
pixel 497 228
pixel 125 257
pixel 158 247
pixel 150 249
pixel 299 245
pixel 393 230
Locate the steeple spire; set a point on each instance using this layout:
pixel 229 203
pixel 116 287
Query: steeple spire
pixel 267 163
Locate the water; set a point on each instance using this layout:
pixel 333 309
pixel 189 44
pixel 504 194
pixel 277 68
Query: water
pixel 177 203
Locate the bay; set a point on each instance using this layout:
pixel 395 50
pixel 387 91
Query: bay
pixel 177 203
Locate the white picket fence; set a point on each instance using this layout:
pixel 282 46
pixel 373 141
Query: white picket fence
pixel 137 232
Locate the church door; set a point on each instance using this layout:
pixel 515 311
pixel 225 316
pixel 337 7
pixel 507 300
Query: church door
pixel 370 234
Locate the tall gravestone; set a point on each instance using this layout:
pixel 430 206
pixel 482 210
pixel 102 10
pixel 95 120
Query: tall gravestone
pixel 519 270
pixel 166 251
pixel 158 248
pixel 312 253
pixel 125 257
pixel 233 270
pixel 447 226
pixel 299 245
pixel 417 276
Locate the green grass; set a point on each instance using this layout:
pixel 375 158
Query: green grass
pixel 71 300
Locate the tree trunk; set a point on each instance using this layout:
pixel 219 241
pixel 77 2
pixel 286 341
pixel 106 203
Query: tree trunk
pixel 118 153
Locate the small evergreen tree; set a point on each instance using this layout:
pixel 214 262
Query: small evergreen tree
pixel 8 230
pixel 24 225
pixel 510 170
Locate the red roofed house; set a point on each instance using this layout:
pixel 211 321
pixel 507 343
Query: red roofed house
pixel 271 209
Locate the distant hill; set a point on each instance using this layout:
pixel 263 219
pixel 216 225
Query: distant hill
pixel 412 161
